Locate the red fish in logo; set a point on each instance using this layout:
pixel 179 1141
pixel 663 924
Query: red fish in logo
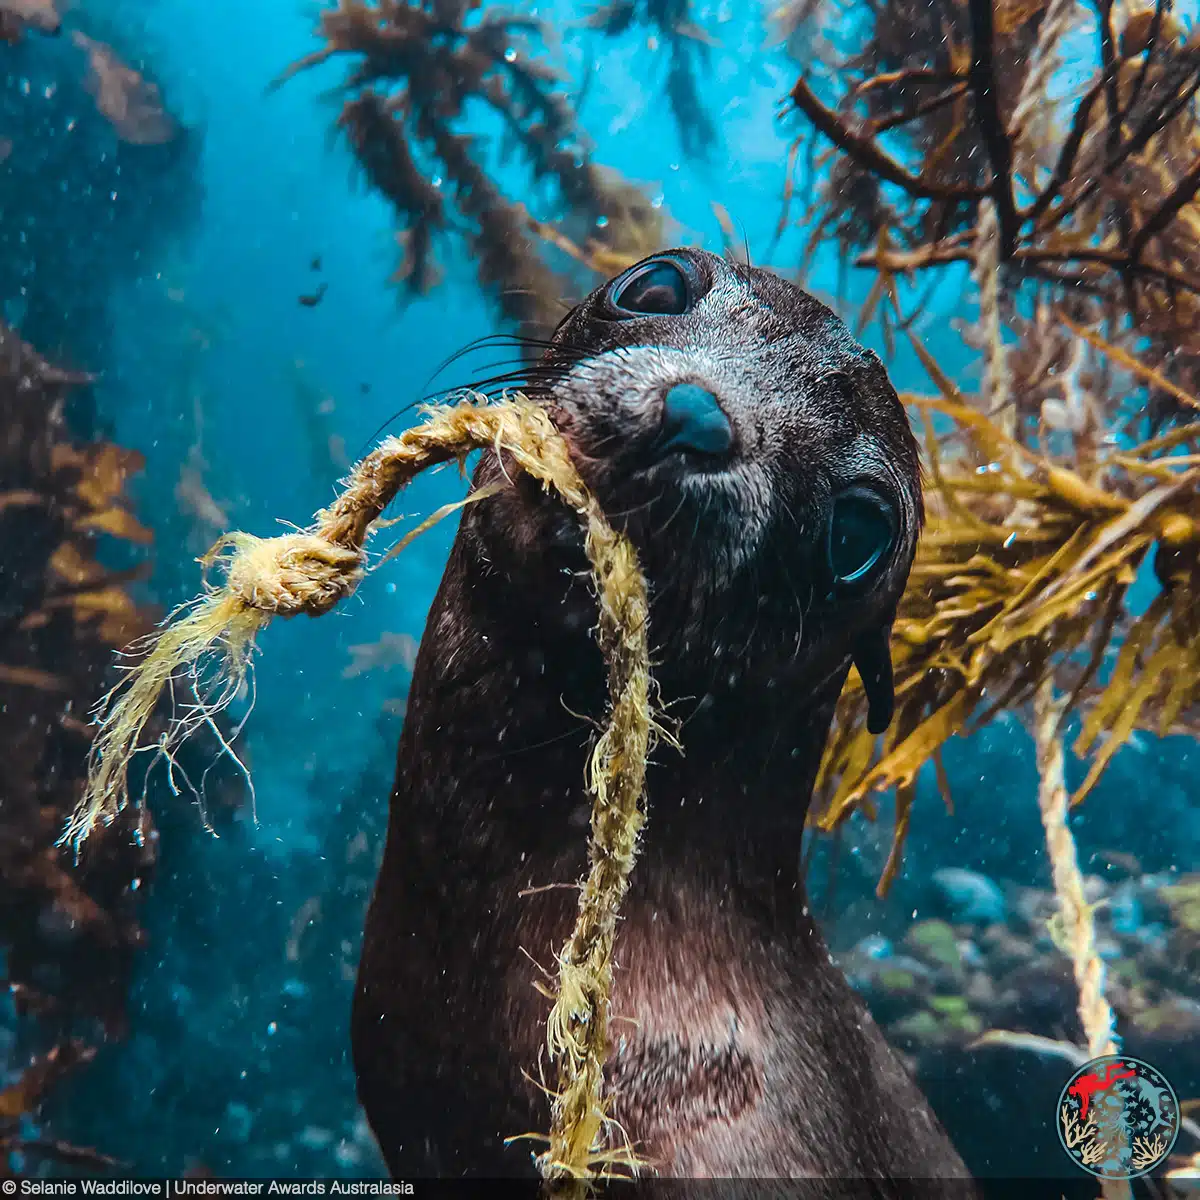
pixel 1088 1086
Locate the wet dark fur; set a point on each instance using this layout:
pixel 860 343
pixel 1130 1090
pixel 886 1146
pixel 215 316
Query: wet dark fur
pixel 738 1048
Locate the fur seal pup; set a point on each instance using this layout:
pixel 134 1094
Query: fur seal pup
pixel 764 468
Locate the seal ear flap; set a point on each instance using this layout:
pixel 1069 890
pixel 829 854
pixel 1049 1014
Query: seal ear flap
pixel 872 656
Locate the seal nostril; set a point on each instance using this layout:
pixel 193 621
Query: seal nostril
pixel 694 420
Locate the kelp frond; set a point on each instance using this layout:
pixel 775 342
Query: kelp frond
pixel 414 70
pixel 1023 575
pixel 674 29
pixel 1052 486
pixel 943 129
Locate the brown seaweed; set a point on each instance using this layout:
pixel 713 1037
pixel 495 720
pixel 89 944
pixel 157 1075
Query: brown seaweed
pixel 70 932
pixel 92 169
pixel 1055 482
pixel 130 101
pixel 18 16
pixel 1024 574
pixel 416 69
pixel 673 28
pixel 1094 195
pixel 25 1096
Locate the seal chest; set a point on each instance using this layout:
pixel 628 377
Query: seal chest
pixel 761 463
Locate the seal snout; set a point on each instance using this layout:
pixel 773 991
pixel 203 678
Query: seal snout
pixel 694 422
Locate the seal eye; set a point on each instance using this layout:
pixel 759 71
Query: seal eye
pixel 861 533
pixel 655 288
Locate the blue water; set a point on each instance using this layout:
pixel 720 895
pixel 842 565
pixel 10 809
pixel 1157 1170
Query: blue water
pixel 237 1055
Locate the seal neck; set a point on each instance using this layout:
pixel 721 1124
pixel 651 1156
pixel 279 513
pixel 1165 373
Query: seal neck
pixel 525 702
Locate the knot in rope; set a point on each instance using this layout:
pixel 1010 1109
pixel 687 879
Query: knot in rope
pixel 293 574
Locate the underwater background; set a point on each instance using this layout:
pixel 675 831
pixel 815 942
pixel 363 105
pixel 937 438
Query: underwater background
pixel 208 271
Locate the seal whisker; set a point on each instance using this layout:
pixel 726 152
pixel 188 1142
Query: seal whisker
pixel 666 524
pixel 550 741
pixel 489 340
pixel 545 369
pixel 633 510
pixel 598 447
pixel 787 578
pixel 569 353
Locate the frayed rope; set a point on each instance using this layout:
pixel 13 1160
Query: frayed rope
pixel 313 570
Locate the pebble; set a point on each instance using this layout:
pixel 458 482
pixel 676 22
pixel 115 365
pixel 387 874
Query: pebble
pixel 1154 936
pixel 1125 910
pixel 981 992
pixel 968 897
pixel 1034 907
pixel 970 953
pixel 875 945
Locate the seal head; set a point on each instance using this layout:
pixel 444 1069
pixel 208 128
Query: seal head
pixel 758 457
